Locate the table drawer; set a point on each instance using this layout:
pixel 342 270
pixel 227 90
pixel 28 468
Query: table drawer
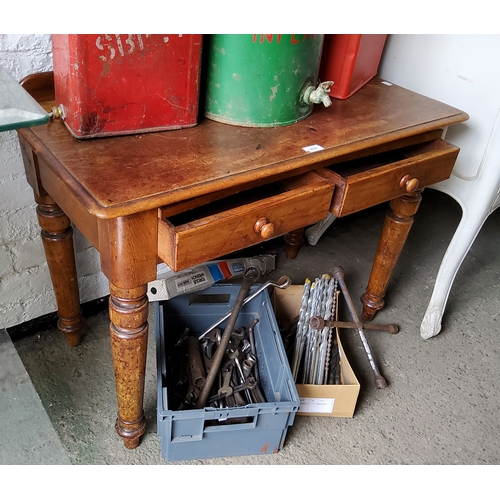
pixel 367 182
pixel 242 220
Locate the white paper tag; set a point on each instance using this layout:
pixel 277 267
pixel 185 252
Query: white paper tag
pixel 316 405
pixel 313 148
pixel 389 84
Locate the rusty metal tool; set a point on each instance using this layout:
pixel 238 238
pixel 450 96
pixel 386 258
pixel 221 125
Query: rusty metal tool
pixel 226 391
pixel 196 370
pixel 251 338
pixel 252 274
pixel 318 322
pixel 235 355
pixel 250 365
pixel 184 335
pixel 338 273
pixel 282 283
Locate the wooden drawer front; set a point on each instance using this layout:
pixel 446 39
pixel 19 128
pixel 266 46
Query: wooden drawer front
pixel 188 239
pixel 369 181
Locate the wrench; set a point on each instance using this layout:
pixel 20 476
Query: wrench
pixel 338 273
pixel 236 338
pixel 252 274
pixel 235 356
pixel 228 391
pixel 282 283
pixel 249 364
pixel 251 338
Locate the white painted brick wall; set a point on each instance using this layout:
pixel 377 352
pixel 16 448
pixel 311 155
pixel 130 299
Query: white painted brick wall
pixel 25 287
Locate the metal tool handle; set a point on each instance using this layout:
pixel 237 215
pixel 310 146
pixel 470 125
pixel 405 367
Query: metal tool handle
pixel 318 322
pixel 282 283
pixel 252 274
pixel 338 273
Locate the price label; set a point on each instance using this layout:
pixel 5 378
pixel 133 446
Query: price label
pixel 313 148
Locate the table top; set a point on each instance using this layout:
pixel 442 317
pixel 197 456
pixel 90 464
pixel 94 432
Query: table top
pixel 129 174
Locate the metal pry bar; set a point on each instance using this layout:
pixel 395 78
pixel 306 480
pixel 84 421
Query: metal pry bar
pixel 318 322
pixel 252 274
pixel 380 382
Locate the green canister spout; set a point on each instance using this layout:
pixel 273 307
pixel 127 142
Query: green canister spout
pixel 313 95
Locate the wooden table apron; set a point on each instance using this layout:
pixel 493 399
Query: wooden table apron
pixel 112 189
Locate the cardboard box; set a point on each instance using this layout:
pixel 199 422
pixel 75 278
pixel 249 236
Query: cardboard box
pixel 318 400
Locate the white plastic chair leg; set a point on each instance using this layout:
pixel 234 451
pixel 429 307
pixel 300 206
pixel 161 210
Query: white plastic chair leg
pixel 462 240
pixel 314 233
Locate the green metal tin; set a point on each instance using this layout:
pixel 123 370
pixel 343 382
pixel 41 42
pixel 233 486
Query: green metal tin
pixel 259 80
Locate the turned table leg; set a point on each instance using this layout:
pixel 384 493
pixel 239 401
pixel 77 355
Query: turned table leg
pixel 128 247
pixel 57 238
pixel 128 312
pixel 397 225
pixel 294 241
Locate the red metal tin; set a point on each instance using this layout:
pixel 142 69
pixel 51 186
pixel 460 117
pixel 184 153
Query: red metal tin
pixel 111 85
pixel 350 61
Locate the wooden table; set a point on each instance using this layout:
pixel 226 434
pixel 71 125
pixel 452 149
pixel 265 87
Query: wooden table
pixel 191 195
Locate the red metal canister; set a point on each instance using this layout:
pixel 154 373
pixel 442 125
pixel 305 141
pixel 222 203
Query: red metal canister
pixel 350 61
pixel 111 85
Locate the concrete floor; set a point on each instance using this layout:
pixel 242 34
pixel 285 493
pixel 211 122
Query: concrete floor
pixel 443 399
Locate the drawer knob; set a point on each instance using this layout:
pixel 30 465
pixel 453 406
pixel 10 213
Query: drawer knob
pixel 408 184
pixel 264 227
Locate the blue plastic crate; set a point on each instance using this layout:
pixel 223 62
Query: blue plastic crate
pixel 209 432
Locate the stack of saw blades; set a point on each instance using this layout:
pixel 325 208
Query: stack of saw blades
pixel 315 348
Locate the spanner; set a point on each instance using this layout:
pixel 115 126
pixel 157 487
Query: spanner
pixel 235 356
pixel 282 283
pixel 228 391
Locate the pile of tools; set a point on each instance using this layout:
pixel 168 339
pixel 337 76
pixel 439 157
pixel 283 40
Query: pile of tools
pixel 236 381
pixel 315 357
pixel 219 368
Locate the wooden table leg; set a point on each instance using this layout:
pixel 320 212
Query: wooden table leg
pixel 397 225
pixel 128 247
pixel 128 312
pixel 294 241
pixel 57 238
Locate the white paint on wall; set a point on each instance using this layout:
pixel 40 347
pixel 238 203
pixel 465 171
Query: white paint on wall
pixel 25 288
